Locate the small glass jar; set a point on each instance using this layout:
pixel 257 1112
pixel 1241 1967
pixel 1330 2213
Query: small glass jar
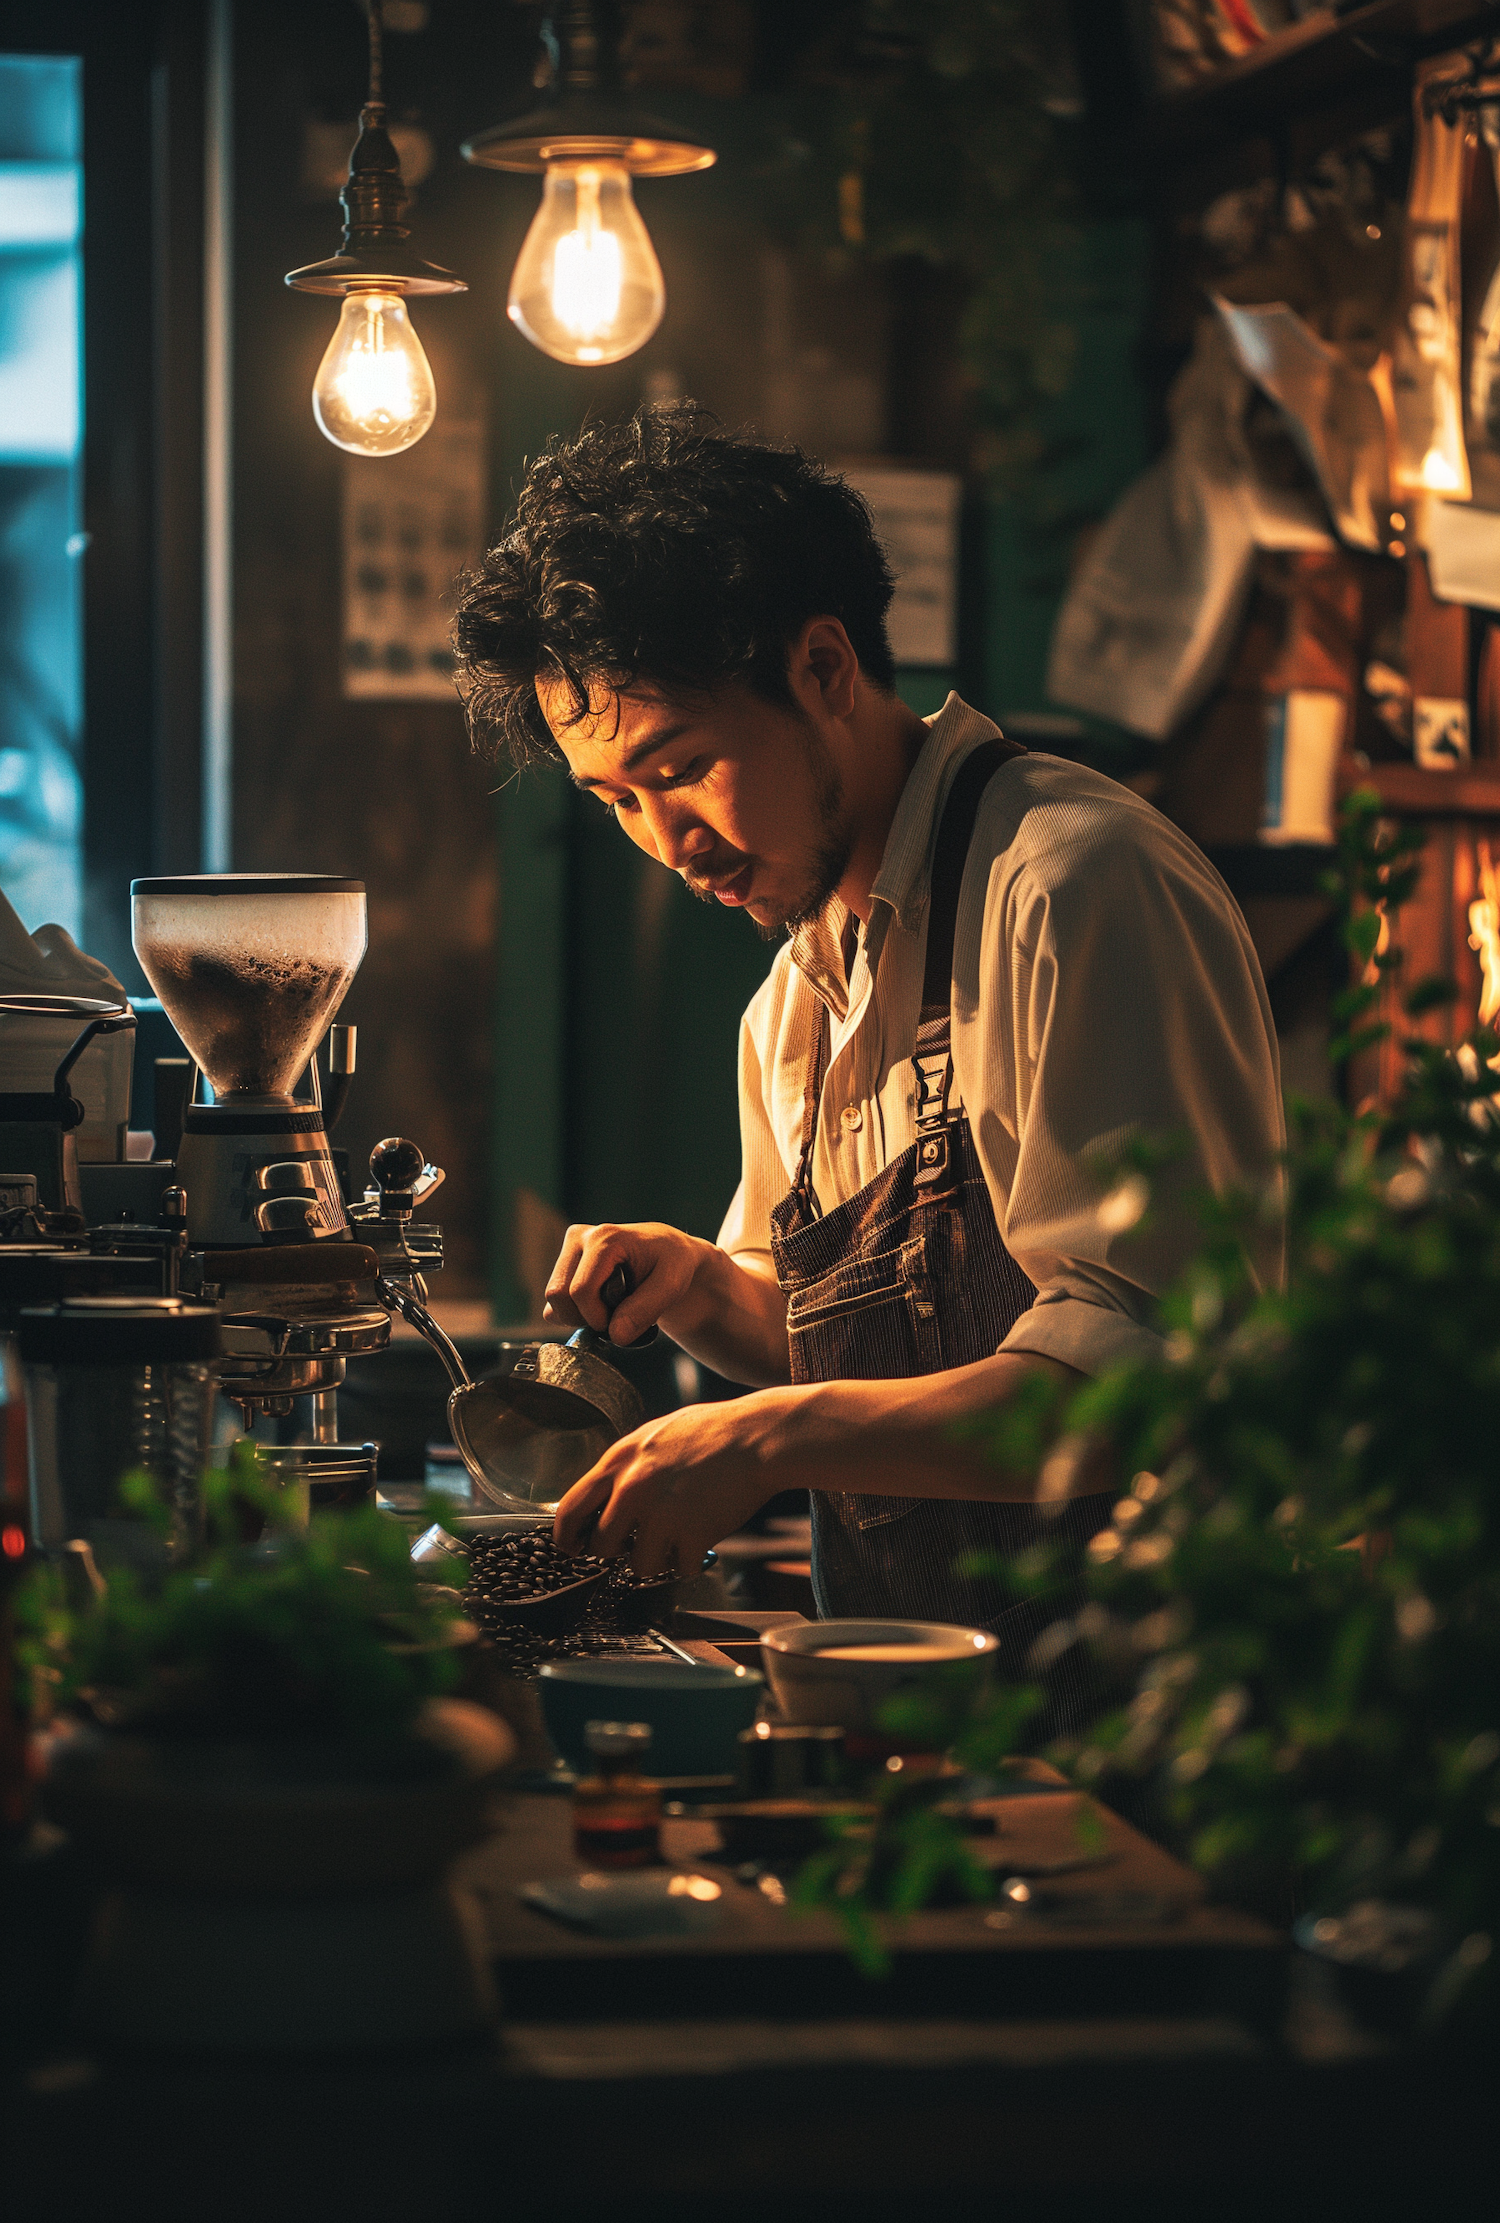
pixel 617 1811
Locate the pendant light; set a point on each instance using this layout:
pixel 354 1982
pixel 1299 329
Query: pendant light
pixel 587 287
pixel 374 394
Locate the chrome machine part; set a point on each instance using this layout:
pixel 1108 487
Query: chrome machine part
pixel 292 1314
pixel 320 1476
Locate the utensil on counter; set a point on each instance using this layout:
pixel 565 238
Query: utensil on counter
pixel 679 1651
pixel 531 1430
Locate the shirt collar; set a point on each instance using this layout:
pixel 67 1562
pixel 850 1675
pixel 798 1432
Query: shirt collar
pixel 902 884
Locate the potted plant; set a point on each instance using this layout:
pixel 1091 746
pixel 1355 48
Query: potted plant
pixel 257 1755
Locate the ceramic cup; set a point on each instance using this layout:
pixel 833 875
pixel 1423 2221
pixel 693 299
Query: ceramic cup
pixel 832 1673
pixel 695 1713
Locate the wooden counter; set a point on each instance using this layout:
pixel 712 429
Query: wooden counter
pixel 763 1957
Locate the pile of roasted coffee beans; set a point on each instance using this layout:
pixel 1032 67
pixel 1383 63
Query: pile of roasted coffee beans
pixel 514 1568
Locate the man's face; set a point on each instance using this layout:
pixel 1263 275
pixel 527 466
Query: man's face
pixel 739 796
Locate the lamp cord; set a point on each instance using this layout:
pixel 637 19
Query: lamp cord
pixel 376 95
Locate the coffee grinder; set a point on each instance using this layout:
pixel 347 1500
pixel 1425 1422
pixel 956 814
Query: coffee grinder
pixel 251 968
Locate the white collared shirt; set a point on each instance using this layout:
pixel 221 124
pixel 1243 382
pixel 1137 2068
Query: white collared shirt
pixel 1105 987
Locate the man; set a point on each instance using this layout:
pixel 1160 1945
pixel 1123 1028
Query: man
pixel 995 969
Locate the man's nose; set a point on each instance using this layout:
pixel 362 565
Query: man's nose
pixel 678 835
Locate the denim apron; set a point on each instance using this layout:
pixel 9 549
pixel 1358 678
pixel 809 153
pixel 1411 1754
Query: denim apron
pixel 912 1276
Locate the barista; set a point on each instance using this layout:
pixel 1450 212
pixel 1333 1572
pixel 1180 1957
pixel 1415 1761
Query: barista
pixel 992 970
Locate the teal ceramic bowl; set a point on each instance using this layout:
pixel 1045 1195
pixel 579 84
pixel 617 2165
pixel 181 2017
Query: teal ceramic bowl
pixel 695 1713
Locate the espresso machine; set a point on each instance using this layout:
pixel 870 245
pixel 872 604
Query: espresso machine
pixel 247 1206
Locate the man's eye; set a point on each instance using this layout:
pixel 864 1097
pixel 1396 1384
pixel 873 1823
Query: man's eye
pixel 688 778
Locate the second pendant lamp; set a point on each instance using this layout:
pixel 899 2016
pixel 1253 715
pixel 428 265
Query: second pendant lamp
pixel 587 287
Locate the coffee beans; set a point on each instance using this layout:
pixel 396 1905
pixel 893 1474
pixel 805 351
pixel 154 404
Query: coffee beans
pixel 516 1568
pixel 511 1573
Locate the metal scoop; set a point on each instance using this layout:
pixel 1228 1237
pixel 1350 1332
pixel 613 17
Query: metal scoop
pixel 530 1431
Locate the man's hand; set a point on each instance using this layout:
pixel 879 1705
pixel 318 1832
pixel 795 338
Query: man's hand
pixel 662 1260
pixel 678 1484
pixel 721 1310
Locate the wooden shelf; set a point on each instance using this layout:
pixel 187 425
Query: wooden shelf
pixel 1415 793
pixel 1324 60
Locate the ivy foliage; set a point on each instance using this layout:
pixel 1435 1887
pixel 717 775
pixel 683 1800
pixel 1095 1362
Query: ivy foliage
pixel 1300 1590
pixel 944 130
pixel 898 1851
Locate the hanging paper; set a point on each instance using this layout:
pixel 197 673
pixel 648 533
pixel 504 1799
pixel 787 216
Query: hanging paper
pixel 1426 372
pixel 1331 405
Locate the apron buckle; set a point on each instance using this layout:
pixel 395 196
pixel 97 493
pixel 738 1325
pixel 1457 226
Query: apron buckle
pixel 934 1086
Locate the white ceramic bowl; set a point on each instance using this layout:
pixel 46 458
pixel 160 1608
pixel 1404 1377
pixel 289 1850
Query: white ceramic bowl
pixel 818 1684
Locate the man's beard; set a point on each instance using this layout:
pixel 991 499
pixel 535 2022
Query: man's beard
pixel 829 860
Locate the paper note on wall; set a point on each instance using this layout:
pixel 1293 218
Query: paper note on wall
pixel 411 523
pixel 916 516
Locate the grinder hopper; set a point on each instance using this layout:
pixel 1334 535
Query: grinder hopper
pixel 250 969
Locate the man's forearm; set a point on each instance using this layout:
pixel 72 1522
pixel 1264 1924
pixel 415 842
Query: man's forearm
pixel 895 1438
pixel 733 1318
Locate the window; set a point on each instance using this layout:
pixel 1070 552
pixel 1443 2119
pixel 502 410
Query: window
pixel 41 543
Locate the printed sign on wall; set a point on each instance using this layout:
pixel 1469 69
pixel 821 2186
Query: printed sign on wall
pixel 916 516
pixel 411 523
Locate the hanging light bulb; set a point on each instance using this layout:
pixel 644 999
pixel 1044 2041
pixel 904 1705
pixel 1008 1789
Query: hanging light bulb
pixel 374 393
pixel 587 286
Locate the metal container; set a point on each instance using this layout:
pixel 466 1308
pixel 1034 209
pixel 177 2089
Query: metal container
pixel 115 1385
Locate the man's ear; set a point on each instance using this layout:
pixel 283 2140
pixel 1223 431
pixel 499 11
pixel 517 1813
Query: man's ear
pixel 823 668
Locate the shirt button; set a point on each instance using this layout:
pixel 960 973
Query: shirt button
pixel 852 1116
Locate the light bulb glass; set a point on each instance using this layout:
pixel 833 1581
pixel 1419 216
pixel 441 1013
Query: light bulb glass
pixel 587 287
pixel 374 393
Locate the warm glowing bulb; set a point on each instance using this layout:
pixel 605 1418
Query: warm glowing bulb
pixel 374 393
pixel 587 286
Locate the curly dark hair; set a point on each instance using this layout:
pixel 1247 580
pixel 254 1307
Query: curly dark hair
pixel 666 549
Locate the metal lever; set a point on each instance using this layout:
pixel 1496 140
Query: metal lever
pixel 396 1166
pixel 70 1113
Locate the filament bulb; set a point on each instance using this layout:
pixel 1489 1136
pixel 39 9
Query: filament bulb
pixel 587 287
pixel 374 393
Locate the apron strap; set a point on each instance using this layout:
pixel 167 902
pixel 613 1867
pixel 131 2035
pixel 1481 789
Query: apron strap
pixel 812 1096
pixel 935 1026
pixel 932 1057
pixel 949 856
